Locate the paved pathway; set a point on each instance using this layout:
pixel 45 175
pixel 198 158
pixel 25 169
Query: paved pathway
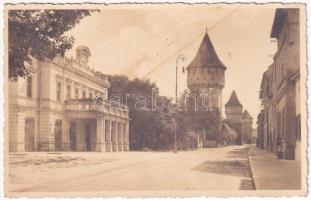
pixel 270 173
pixel 225 168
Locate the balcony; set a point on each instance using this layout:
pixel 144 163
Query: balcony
pixel 91 105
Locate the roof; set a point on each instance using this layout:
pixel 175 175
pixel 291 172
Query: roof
pixel 233 101
pixel 206 55
pixel 279 18
pixel 246 115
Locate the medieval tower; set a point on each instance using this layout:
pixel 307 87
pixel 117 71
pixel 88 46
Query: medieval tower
pixel 233 109
pixel 206 73
pixel 241 122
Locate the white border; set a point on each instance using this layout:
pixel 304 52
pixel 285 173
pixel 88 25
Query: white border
pixel 308 7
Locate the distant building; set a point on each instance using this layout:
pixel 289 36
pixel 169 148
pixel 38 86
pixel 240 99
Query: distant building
pixel 240 121
pixel 53 109
pixel 254 136
pixel 246 127
pixel 233 109
pixel 279 119
pixel 260 142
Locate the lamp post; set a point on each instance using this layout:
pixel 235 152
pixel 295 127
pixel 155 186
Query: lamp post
pixel 182 58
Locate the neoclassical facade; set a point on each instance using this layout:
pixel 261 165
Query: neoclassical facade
pixel 53 109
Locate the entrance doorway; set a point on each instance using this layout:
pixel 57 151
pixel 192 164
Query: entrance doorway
pixel 87 133
pixel 58 135
pixel 29 134
pixel 72 136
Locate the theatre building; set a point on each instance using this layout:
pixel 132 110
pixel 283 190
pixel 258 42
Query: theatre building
pixel 53 109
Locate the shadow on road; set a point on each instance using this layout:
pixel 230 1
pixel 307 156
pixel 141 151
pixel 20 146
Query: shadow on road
pixel 239 153
pixel 247 184
pixel 232 167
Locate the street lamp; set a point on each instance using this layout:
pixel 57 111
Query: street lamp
pixel 182 58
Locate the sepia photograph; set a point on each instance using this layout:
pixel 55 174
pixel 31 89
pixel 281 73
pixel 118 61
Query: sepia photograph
pixel 155 100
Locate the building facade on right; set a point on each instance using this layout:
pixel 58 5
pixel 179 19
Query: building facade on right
pixel 279 121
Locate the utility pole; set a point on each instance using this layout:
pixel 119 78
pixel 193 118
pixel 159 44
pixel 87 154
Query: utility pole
pixel 182 58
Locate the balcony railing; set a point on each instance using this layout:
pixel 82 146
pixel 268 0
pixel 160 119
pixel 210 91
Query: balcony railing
pixel 99 106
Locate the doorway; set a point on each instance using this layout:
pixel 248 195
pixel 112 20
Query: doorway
pixel 29 134
pixel 87 134
pixel 58 135
pixel 72 136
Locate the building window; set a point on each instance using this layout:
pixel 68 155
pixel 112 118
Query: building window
pixel 91 95
pixel 58 91
pixel 68 92
pixel 83 95
pixel 76 93
pixel 29 87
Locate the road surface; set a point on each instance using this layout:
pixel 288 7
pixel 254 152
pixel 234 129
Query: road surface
pixel 224 168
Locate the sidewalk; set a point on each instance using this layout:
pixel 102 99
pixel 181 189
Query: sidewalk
pixel 270 173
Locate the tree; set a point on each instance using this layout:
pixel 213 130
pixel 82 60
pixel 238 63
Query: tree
pixel 39 34
pixel 195 121
pixel 155 129
pixel 148 129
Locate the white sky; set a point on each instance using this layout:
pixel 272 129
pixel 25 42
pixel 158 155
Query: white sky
pixel 137 40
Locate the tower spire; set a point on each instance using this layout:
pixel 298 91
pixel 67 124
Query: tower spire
pixel 206 55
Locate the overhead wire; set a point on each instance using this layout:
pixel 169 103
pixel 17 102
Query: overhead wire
pixel 189 43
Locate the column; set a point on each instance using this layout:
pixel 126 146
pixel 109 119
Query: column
pixel 65 135
pixel 108 135
pixel 100 133
pixel 80 136
pixel 114 136
pixel 124 136
pixel 120 136
pixel 127 145
pixel 51 140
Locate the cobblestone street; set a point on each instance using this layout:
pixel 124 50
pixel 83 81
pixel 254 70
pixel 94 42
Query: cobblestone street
pixel 225 168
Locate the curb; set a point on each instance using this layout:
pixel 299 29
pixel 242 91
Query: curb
pixel 251 169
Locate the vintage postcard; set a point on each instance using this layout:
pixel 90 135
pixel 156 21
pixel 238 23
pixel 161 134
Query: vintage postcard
pixel 155 100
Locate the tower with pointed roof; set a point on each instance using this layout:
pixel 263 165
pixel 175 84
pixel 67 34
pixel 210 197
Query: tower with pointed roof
pixel 233 109
pixel 206 73
pixel 240 121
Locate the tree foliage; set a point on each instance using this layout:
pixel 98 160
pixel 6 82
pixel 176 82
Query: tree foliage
pixel 148 129
pixel 195 121
pixel 39 34
pixel 155 129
